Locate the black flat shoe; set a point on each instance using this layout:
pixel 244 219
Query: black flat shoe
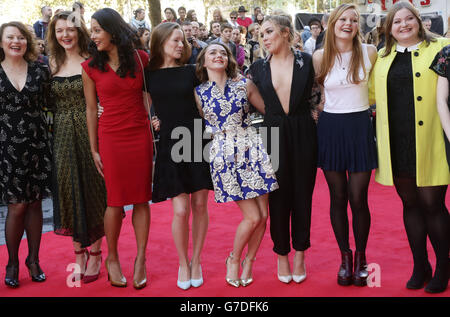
pixel 12 276
pixel 37 277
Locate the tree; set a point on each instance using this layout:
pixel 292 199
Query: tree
pixel 155 12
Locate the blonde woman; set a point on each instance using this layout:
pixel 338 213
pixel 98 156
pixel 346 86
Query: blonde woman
pixel 411 149
pixel 285 80
pixel 347 152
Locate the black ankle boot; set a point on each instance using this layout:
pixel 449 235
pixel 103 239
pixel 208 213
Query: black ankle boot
pixel 421 275
pixel 439 282
pixel 12 276
pixel 345 274
pixel 360 275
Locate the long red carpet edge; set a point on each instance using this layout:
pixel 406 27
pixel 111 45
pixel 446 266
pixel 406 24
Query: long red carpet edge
pixel 388 255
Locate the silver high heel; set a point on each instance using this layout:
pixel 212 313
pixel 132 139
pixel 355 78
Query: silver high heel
pixel 230 281
pixel 247 281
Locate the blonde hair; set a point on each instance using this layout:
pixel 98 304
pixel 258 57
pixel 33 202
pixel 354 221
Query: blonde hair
pixel 330 50
pixel 283 22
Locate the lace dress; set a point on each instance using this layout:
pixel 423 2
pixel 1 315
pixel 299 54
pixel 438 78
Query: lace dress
pixel 79 194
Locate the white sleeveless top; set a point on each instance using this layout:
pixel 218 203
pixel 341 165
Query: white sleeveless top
pixel 342 96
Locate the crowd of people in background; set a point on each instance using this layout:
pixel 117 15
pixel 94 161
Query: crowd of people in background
pixel 314 85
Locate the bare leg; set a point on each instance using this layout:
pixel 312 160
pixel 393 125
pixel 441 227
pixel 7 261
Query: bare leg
pixel 141 225
pixel 95 262
pixel 257 236
pixel 200 220
pixel 180 233
pixel 113 224
pixel 81 258
pixel 244 232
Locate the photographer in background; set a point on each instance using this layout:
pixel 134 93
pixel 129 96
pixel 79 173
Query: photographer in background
pixel 196 45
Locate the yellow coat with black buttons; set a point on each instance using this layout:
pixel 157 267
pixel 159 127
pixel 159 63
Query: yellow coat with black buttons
pixel 431 163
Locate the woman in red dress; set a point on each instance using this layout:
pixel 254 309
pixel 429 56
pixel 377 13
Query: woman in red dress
pixel 121 142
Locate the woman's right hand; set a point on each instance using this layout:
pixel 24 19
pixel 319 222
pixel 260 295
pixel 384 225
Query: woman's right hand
pixel 156 123
pixel 98 163
pixel 99 111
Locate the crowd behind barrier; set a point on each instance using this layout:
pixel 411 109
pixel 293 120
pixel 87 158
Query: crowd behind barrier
pixel 81 111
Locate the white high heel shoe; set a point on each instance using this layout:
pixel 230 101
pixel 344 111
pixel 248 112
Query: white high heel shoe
pixel 300 278
pixel 283 278
pixel 184 285
pixel 197 282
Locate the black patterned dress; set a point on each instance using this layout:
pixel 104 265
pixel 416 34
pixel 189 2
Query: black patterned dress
pixel 79 194
pixel 441 66
pixel 25 157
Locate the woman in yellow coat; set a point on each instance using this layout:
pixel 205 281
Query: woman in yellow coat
pixel 411 150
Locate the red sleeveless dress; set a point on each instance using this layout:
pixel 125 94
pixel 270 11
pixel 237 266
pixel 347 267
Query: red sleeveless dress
pixel 124 138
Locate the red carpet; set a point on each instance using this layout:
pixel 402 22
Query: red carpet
pixel 387 247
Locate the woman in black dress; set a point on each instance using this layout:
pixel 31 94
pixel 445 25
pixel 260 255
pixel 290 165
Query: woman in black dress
pixel 180 173
pixel 285 80
pixel 441 65
pixel 24 148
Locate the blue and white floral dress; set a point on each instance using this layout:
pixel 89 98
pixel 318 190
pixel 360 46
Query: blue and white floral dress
pixel 240 166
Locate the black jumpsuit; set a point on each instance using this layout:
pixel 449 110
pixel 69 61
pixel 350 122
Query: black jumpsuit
pixel 296 165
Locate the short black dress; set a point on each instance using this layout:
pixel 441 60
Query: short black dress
pixel 25 173
pixel 402 116
pixel 441 65
pixel 180 165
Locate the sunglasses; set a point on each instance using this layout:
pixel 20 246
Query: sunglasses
pixel 233 18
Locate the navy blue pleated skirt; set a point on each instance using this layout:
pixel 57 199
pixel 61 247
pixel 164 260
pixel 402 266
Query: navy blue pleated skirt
pixel 346 142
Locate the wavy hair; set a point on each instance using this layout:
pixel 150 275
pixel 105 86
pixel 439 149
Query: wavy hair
pixel 56 51
pixel 122 35
pixel 31 54
pixel 330 50
pixel 202 73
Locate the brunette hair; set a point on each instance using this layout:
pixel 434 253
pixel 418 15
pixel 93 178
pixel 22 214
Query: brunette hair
pixel 31 54
pixel 423 35
pixel 137 11
pixel 122 35
pixel 56 51
pixel 173 13
pixel 330 50
pixel 202 73
pixel 189 15
pixel 160 35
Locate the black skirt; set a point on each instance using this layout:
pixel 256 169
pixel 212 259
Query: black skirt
pixel 346 142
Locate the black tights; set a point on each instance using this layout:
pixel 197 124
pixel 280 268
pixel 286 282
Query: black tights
pixel 354 190
pixel 23 218
pixel 425 214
